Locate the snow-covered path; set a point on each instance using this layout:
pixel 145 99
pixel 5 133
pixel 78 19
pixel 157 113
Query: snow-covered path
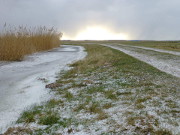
pixel 154 49
pixel 162 60
pixel 22 84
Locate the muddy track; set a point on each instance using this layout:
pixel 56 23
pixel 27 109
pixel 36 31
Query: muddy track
pixel 166 61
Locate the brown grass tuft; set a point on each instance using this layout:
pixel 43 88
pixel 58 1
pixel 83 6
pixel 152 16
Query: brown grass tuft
pixel 15 43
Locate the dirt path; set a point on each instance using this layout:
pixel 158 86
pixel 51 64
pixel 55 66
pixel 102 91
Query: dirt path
pixel 22 84
pixel 161 59
pixel 154 49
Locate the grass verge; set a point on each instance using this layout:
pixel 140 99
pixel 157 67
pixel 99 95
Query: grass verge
pixel 109 92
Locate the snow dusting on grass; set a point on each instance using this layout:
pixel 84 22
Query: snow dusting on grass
pixel 108 92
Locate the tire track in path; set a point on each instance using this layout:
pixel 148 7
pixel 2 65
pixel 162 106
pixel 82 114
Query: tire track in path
pixel 162 60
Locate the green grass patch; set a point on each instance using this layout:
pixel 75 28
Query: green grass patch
pixel 49 119
pixel 68 95
pixel 28 116
pixel 94 108
pixel 110 94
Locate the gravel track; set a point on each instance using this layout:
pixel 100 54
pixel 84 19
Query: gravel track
pixel 154 49
pixel 160 59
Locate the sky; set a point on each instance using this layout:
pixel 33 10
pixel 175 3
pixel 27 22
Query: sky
pixel 98 19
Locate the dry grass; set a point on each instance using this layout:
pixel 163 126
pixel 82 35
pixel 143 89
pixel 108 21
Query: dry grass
pixel 15 43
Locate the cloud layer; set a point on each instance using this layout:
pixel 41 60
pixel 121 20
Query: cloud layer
pixel 140 19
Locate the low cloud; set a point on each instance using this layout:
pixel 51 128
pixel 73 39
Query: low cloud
pixel 140 19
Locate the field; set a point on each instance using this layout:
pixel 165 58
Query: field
pixel 15 43
pixel 166 45
pixel 108 92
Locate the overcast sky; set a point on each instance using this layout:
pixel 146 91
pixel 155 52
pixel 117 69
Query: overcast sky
pixel 139 19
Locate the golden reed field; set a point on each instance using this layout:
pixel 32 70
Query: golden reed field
pixel 15 43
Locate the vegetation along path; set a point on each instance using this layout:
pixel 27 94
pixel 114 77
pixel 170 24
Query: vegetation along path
pixel 108 92
pixel 167 61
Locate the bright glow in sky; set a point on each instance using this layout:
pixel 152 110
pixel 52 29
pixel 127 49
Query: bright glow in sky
pixel 117 19
pixel 97 33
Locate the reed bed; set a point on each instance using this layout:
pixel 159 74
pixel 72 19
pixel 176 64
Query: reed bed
pixel 15 43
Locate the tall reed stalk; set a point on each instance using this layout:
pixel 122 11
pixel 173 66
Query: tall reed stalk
pixel 15 43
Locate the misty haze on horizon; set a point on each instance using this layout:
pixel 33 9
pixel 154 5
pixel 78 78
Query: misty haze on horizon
pixel 139 19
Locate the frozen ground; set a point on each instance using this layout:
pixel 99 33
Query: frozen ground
pixel 110 100
pixel 166 61
pixel 22 84
pixel 154 49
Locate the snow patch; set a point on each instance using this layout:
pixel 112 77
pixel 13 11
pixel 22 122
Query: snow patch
pixel 22 85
